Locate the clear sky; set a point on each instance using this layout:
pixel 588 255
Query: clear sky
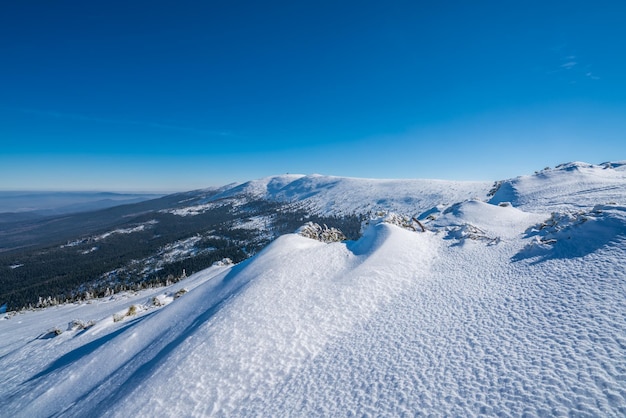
pixel 176 95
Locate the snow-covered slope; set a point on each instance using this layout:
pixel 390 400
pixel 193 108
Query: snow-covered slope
pixel 328 195
pixel 571 185
pixel 497 309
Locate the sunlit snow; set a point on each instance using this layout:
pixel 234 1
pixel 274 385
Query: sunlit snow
pixel 508 304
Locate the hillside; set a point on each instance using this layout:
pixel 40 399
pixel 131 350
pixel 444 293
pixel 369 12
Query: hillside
pixel 329 195
pixel 511 302
pixel 64 258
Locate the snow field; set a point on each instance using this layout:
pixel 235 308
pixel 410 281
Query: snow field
pixel 468 339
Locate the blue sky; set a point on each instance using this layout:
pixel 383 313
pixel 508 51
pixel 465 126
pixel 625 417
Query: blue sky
pixel 164 95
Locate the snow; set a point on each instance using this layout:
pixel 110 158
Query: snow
pixel 258 223
pixel 138 228
pixel 501 221
pixel 512 306
pixel 329 195
pixel 192 210
pixel 572 185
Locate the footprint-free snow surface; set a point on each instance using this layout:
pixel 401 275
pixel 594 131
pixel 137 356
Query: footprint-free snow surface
pixel 510 304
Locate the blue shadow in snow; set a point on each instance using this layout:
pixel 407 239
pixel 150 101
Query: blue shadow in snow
pixel 85 350
pixel 144 371
pixel 576 241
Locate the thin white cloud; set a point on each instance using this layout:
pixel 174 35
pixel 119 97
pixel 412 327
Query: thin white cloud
pixel 571 69
pixel 569 65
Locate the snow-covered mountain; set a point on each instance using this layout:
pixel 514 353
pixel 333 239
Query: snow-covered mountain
pixel 330 195
pixel 511 302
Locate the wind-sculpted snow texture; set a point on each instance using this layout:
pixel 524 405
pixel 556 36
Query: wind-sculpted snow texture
pixel 501 309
